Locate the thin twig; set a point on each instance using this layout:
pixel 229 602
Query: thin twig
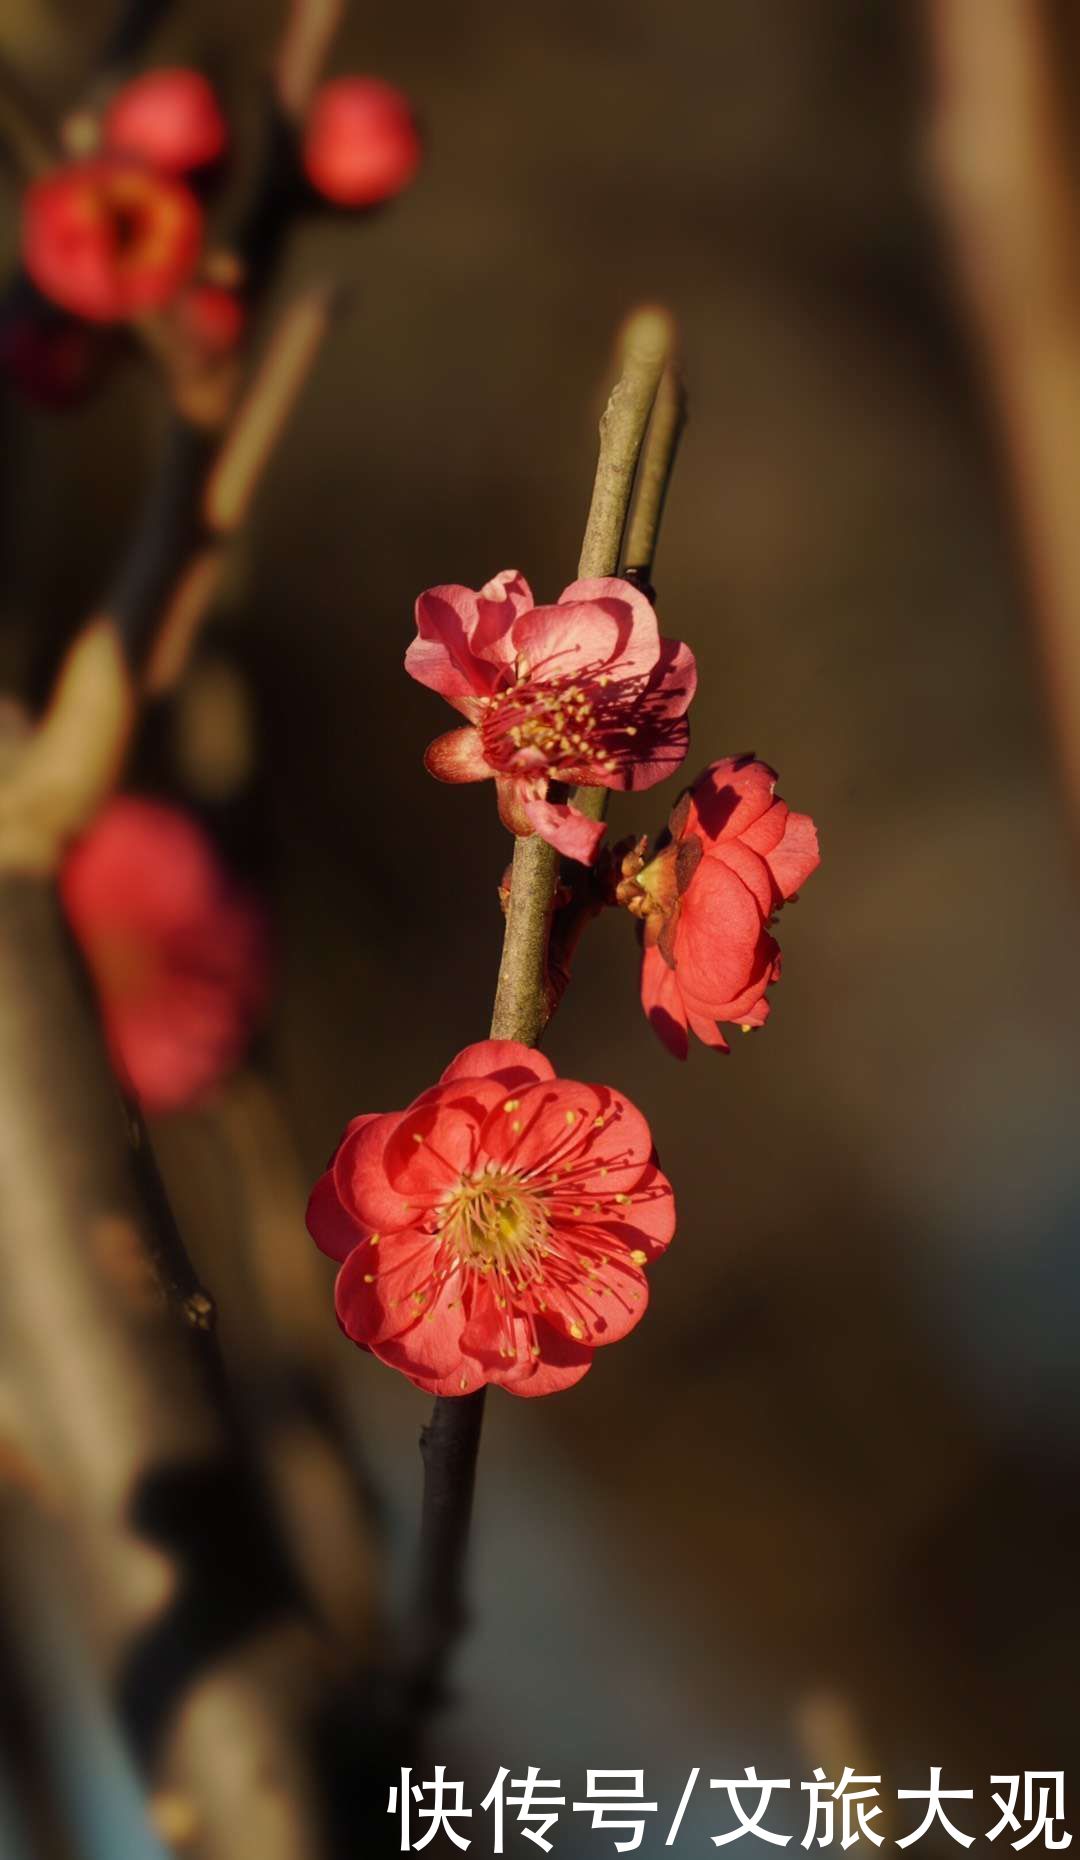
pixel 1003 165
pixel 654 476
pixel 450 1443
pixel 645 344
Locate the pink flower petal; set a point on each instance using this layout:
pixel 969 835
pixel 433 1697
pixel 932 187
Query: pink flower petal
pixel 506 1060
pixel 385 1292
pixel 708 1033
pixel 660 751
pixel 359 1171
pixel 662 1000
pixel 767 830
pixel 719 934
pixel 571 833
pixel 435 1141
pixel 458 756
pixel 512 795
pixel 729 796
pixel 499 603
pixel 797 855
pixel 333 1230
pixel 561 1363
pixel 639 643
pixel 754 872
pixel 567 1133
pixel 573 641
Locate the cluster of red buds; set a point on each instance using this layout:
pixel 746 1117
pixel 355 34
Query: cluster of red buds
pixel 119 235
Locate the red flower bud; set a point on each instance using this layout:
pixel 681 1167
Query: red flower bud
pixel 170 119
pixel 212 318
pixel 361 144
pixel 108 240
pixel 178 953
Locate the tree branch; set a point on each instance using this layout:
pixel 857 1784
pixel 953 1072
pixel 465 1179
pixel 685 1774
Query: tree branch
pixel 654 476
pixel 450 1443
pixel 1004 174
pixel 180 1588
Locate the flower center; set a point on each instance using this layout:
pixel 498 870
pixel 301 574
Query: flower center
pixel 494 1223
pixel 555 726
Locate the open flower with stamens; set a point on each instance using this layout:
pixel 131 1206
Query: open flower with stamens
pixel 583 692
pixel 109 239
pixel 734 854
pixel 498 1229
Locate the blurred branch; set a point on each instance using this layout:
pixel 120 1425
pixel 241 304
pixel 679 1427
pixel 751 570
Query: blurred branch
pixel 302 52
pixel 56 781
pixel 183 1586
pixel 23 134
pixel 181 1590
pixel 285 1370
pixel 1004 171
pixel 451 1441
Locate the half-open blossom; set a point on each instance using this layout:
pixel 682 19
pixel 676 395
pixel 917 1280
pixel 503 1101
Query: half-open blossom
pixel 734 854
pixel 169 118
pixel 361 143
pixel 109 239
pixel 583 692
pixel 496 1230
pixel 178 953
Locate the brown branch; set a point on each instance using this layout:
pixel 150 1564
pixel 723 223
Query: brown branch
pixel 179 1586
pixel 286 1378
pixel 311 27
pixel 647 343
pixel 182 1585
pixel 23 133
pixel 450 1443
pixel 1003 166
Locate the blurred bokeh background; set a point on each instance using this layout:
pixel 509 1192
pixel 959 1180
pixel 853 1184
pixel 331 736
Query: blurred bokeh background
pixel 832 1480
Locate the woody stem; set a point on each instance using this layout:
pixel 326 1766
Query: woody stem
pixel 451 1441
pixel 1004 165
